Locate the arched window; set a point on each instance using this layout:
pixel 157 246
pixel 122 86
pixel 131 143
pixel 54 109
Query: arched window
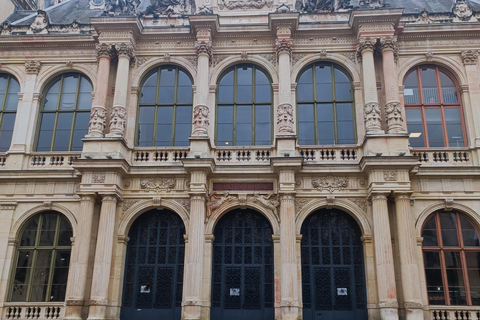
pixel 9 88
pixel 451 253
pixel 433 109
pixel 244 107
pixel 165 108
pixel 325 106
pixel 42 259
pixel 65 113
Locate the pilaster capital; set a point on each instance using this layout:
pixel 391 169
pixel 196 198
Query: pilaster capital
pixel 469 57
pixel 283 46
pixel 104 50
pixel 366 239
pixel 402 195
pixel 109 198
pixel 10 205
pixel 366 44
pixel 87 197
pixel 378 195
pixel 32 67
pixel 388 43
pixel 125 50
pixel 204 48
pixel 287 197
pixel 198 196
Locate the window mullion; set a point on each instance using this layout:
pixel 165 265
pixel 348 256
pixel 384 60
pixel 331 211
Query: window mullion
pixel 315 114
pixel 174 111
pixel 74 115
pixel 4 102
pixel 60 92
pixel 334 105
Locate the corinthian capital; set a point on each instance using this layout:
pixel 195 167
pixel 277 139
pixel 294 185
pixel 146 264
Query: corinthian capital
pixel 104 50
pixel 366 44
pixel 32 67
pixel 204 47
pixel 388 43
pixel 125 50
pixel 283 45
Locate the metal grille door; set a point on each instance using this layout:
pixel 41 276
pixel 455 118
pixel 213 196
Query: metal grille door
pixel 242 281
pixel 333 279
pixel 154 267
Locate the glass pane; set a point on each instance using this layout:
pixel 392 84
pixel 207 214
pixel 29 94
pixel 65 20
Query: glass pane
pixel 306 129
pixel 469 234
pixel 225 88
pixel 449 92
pixel 429 233
pixel 262 125
pixel 434 127
pixel 167 86
pixel 65 232
pixel 60 273
pixel 81 129
pixel 454 127
pixel 3 87
pixel 69 92
pixel 149 90
pixel 411 89
pixel 305 86
pixel 263 93
pixel 19 293
pixel 145 126
pixel 345 129
pixel 40 275
pixel 429 85
pixel 46 132
pixel 6 131
pixel 244 125
pixel 343 88
pixel 415 127
pixel 244 94
pixel 12 97
pixel 48 228
pixel 326 134
pixel 62 134
pixel 432 259
pixel 183 125
pixel 85 95
pixel 184 90
pixel 225 134
pixel 51 98
pixel 30 233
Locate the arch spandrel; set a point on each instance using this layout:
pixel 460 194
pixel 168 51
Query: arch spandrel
pixel 145 205
pixel 45 77
pixel 348 206
pixel 235 204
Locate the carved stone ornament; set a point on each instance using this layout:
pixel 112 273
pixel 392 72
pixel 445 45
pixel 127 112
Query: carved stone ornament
pixel 125 50
pixel 114 8
pixel 285 121
pixel 244 4
pixel 118 120
pixel 323 54
pixel 204 47
pixel 283 45
pixel 300 203
pixel 470 57
pixel 40 24
pixel 157 184
pixel 205 10
pixel 32 67
pixel 366 44
pixel 372 117
pixel 394 117
pixel 318 6
pixel 128 203
pixel 371 3
pixel 215 201
pixel 330 183
pixel 184 203
pixel 104 50
pixel 171 7
pixel 390 176
pixel 98 178
pixel 361 203
pixel 166 57
pixel 269 201
pixel 98 120
pixel 429 56
pixel 449 202
pixel 200 120
pixel 463 12
pixel 6 28
pixel 423 17
pixel 388 43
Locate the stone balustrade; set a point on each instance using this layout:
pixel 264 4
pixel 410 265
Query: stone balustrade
pixel 429 157
pixel 332 154
pixel 39 311
pixel 454 313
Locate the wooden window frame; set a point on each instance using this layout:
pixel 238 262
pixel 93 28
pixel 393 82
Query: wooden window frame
pixel 234 104
pixel 158 104
pixel 75 111
pixel 422 105
pixel 3 105
pixel 460 248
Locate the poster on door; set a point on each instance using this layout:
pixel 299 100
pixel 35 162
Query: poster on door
pixel 341 291
pixel 234 291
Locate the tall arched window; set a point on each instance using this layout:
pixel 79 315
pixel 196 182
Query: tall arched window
pixel 42 259
pixel 451 253
pixel 244 107
pixel 325 106
pixel 65 113
pixel 165 108
pixel 433 109
pixel 9 88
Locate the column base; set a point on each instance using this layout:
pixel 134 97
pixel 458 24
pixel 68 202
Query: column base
pixel 97 312
pixel 192 312
pixel 413 311
pixel 289 313
pixel 73 312
pixel 389 313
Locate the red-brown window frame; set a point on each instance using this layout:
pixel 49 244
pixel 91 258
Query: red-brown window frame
pixel 440 104
pixel 461 249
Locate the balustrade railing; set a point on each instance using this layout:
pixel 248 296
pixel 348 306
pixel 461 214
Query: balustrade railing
pixel 443 157
pixel 333 154
pixel 159 157
pixel 454 314
pixel 27 311
pixel 50 161
pixel 243 155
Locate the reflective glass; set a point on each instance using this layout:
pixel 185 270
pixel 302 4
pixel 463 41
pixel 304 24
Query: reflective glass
pixel 429 85
pixel 434 127
pixel 63 131
pixel 11 102
pixel 410 92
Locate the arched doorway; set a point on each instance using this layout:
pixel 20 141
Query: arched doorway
pixel 242 280
pixel 154 267
pixel 333 273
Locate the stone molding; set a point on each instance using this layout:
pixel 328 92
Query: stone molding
pixel 157 184
pixel 244 4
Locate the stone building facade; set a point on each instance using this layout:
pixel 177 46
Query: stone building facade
pixel 260 159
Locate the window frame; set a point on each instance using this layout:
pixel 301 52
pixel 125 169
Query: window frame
pixel 58 111
pixel 333 102
pixel 440 249
pixel 157 104
pixel 54 249
pixel 235 103
pixel 422 105
pixel 3 105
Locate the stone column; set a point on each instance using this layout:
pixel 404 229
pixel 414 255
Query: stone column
pixel 118 117
pixel 201 111
pixel 387 292
pixel 407 244
pixel 192 305
pixel 288 244
pixel 103 258
pixel 77 280
pixel 26 112
pixel 393 108
pixel 98 115
pixel 366 47
pixel 285 121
